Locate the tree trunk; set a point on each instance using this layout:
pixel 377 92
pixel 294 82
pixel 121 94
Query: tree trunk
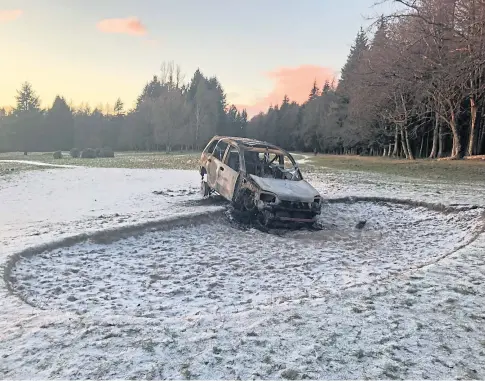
pixel 473 122
pixel 421 148
pixel 427 145
pixel 436 135
pixel 408 144
pixel 440 142
pixel 482 141
pixel 405 144
pixel 478 139
pixel 481 133
pixel 456 150
pixel 396 145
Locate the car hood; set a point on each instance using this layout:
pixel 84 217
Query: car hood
pixel 287 190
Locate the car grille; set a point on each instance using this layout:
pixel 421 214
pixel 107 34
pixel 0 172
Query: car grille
pixel 296 205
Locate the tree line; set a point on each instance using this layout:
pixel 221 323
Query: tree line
pixel 414 88
pixel 169 114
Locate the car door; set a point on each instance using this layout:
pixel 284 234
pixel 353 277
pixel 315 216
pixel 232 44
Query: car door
pixel 214 163
pixel 228 172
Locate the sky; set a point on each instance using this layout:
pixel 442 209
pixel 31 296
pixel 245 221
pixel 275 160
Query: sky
pixel 94 51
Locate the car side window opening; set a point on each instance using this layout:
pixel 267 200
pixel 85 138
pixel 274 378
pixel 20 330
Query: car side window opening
pixel 287 163
pixel 210 148
pixel 251 159
pixel 270 165
pixel 232 158
pixel 219 150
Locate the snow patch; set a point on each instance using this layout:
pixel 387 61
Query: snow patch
pixel 39 163
pixel 406 300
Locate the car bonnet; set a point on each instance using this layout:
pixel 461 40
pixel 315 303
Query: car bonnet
pixel 287 190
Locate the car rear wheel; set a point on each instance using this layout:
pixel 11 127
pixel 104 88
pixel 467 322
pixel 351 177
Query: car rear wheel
pixel 205 190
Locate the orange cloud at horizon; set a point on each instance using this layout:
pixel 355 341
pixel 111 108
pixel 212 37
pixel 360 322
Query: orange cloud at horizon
pixel 7 15
pixel 295 82
pixel 128 25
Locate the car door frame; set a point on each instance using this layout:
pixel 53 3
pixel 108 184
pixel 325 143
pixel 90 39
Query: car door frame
pixel 214 163
pixel 226 176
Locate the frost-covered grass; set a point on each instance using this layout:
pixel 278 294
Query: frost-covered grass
pixel 12 168
pixel 402 298
pixel 393 301
pixel 194 271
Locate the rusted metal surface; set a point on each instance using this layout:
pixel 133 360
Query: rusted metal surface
pixel 259 177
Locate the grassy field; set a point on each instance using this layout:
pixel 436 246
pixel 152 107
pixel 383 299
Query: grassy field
pixel 121 160
pixel 8 169
pixel 442 170
pixel 445 170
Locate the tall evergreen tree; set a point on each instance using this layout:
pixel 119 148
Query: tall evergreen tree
pixel 315 92
pixel 26 99
pixel 151 91
pixel 59 126
pixel 119 107
pixel 29 120
pixel 350 71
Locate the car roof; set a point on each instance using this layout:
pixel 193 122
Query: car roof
pixel 246 142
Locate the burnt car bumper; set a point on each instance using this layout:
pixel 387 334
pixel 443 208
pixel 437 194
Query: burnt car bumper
pixel 291 211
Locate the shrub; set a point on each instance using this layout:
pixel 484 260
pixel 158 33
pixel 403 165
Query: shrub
pixel 74 153
pixel 88 153
pixel 106 152
pixel 57 155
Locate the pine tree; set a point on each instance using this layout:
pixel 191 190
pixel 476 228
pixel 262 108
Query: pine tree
pixel 244 122
pixel 28 119
pixel 221 105
pixel 194 82
pixel 60 125
pixel 26 99
pixel 151 91
pixel 119 107
pixel 315 92
pixel 350 69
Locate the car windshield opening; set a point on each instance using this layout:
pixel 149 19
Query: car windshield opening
pixel 270 164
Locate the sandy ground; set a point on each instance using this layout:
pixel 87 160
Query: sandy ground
pixel 402 298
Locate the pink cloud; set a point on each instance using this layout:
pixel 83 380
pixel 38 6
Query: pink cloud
pixel 10 15
pixel 296 82
pixel 129 25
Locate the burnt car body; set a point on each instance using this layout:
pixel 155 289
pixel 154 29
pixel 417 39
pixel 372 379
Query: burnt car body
pixel 260 178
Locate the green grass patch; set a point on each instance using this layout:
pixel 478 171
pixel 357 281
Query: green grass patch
pixel 440 170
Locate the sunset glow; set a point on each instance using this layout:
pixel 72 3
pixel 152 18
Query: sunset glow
pixel 93 53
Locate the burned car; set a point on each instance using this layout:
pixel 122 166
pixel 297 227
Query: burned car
pixel 259 178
